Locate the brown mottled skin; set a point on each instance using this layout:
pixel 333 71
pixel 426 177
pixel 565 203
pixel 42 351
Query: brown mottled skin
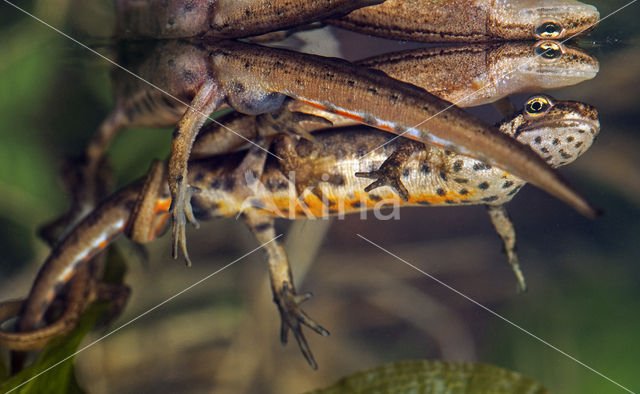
pixel 470 20
pixel 329 180
pixel 476 74
pixel 161 19
pixel 415 20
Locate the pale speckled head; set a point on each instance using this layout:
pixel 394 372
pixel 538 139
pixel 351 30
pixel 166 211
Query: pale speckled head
pixel 542 19
pixel 559 131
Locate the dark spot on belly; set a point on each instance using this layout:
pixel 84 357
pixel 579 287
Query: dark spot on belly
pixel 490 199
pixel 374 197
pixel 443 176
pixel 507 184
pixel 464 192
pixel 441 192
pixel 461 180
pixel 424 169
pixel 405 173
pixel 424 203
pixel 449 202
pixel 356 204
pixel 483 186
pixel 555 141
pixel 457 166
pixel 481 166
pixel 538 140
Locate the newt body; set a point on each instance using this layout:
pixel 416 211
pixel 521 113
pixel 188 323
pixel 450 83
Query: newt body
pixel 162 19
pixel 325 181
pixel 414 20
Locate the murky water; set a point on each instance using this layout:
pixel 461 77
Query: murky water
pixel 583 294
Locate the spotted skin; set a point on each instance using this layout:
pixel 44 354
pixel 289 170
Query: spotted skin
pixel 324 184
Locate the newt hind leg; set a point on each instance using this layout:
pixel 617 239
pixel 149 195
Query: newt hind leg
pixel 284 294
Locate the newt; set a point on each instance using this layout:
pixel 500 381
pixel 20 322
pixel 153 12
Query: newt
pixel 413 20
pixel 466 74
pixel 327 177
pixel 254 79
pixel 472 20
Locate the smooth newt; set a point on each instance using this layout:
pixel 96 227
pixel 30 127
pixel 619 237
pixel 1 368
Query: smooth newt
pixel 329 179
pixel 414 20
pixel 472 20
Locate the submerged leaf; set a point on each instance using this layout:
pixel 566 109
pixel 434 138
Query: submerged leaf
pixel 434 377
pixel 57 376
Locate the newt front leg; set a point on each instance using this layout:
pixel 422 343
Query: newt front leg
pixel 206 101
pixel 390 172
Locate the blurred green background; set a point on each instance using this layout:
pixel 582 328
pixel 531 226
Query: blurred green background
pixel 223 335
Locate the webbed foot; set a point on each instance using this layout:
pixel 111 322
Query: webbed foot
pixel 293 317
pixel 182 212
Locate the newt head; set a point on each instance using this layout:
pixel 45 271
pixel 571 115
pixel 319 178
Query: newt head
pixel 559 131
pixel 545 65
pixel 543 19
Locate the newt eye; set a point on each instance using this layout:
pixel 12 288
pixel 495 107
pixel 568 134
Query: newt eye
pixel 548 50
pixel 537 106
pixel 549 29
